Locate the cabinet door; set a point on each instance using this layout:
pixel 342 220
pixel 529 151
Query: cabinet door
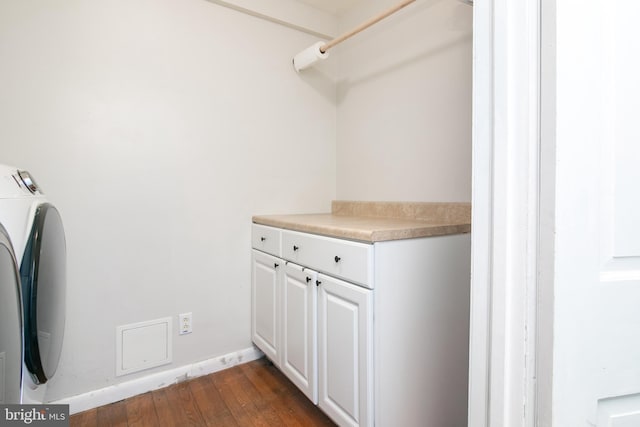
pixel 345 361
pixel 299 338
pixel 265 304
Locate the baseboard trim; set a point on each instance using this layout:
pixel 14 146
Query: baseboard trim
pixel 157 380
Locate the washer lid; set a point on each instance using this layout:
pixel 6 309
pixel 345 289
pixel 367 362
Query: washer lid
pixel 43 272
pixel 10 323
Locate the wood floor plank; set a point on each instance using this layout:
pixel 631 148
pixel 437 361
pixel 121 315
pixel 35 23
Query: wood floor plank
pixel 166 416
pixel 247 394
pixel 183 405
pixel 267 386
pixel 273 392
pixel 308 413
pixel 113 415
pixel 255 394
pixel 306 406
pixel 212 408
pixel 141 411
pixel 226 383
pixel 84 419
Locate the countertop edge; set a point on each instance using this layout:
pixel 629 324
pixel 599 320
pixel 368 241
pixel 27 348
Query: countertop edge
pixel 372 235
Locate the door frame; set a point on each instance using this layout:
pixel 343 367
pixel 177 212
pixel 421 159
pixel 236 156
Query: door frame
pixel 510 368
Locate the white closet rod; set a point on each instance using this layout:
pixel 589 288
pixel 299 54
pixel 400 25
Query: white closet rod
pixel 312 54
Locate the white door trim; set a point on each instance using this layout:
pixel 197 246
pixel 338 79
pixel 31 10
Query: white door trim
pixel 505 222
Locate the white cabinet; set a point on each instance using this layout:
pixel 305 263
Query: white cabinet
pixel 265 304
pixel 345 322
pixel 299 331
pixel 266 239
pixel 351 261
pixel 326 354
pixel 375 334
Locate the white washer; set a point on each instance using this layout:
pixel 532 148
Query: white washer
pixel 35 229
pixel 11 348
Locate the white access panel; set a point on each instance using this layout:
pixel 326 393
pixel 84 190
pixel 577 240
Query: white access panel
pixel 143 345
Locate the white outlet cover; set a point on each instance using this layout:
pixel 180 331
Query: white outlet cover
pixel 182 330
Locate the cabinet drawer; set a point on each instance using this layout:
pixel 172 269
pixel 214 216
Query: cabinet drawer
pixel 266 239
pixel 345 259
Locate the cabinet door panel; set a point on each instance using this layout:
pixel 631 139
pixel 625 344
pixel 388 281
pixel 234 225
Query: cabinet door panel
pixel 345 365
pixel 299 349
pixel 265 304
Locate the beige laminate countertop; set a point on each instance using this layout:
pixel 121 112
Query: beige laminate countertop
pixel 378 221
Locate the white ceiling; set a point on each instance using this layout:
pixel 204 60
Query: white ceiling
pixel 332 6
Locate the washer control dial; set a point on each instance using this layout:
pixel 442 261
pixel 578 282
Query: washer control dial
pixel 28 181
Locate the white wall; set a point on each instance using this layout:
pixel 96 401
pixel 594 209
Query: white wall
pixel 159 127
pixel 404 103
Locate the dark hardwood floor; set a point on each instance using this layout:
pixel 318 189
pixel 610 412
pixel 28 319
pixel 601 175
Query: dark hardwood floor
pixel 251 394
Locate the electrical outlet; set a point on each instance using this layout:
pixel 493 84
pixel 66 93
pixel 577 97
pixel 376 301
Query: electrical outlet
pixel 186 323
